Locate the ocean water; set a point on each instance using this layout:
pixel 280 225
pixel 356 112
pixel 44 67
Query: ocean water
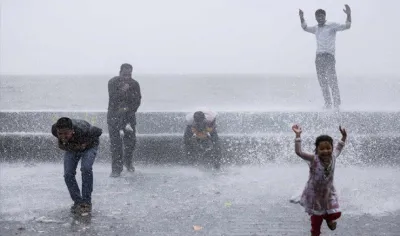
pixel 221 92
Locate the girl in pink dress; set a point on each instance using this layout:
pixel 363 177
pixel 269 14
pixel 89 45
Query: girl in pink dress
pixel 319 197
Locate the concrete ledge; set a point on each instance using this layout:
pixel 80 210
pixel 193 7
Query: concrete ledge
pixel 228 122
pixel 245 149
pixel 246 137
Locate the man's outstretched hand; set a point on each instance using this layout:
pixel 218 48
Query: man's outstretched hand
pixel 347 9
pixel 301 13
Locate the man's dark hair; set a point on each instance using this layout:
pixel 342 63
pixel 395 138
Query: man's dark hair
pixel 64 123
pixel 199 118
pixel 126 66
pixel 320 12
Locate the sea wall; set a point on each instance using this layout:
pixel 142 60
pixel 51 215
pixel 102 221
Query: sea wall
pixel 246 137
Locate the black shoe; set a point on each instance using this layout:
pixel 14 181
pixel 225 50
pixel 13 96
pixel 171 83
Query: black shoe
pixel 115 174
pixel 85 209
pixel 331 224
pixel 75 208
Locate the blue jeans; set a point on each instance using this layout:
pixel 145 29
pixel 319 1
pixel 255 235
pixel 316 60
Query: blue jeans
pixel 71 160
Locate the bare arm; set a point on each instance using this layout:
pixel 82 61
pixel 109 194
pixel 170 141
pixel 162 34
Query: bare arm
pixel 348 18
pixel 339 148
pixel 340 145
pixel 304 24
pixel 347 25
pixel 297 146
pixel 304 155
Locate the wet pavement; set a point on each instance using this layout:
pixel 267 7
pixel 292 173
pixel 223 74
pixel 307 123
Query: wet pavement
pixel 181 200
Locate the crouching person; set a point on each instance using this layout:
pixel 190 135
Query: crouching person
pixel 80 141
pixel 201 138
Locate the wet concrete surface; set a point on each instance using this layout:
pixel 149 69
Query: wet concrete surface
pixel 182 200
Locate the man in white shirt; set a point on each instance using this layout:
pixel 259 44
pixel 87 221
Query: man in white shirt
pixel 325 60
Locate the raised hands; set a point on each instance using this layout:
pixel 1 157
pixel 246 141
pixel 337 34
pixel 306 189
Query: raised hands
pixel 301 13
pixel 343 132
pixel 297 130
pixel 347 10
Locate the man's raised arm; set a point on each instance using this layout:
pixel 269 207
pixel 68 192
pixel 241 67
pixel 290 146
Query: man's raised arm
pixel 304 24
pixel 347 25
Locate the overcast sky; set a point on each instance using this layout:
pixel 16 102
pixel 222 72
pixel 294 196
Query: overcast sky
pixel 188 36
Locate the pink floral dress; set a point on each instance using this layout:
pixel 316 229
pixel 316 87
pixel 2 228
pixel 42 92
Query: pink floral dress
pixel 319 196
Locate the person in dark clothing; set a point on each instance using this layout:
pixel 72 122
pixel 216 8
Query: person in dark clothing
pixel 124 101
pixel 80 141
pixel 325 61
pixel 201 138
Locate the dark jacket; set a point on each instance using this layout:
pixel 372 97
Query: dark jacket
pixel 84 133
pixel 192 143
pixel 122 102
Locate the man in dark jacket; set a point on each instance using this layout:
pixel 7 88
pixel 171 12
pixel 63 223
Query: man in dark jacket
pixel 124 101
pixel 80 141
pixel 201 138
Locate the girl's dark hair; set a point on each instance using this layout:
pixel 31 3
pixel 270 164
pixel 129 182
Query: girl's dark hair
pixel 322 138
pixel 64 123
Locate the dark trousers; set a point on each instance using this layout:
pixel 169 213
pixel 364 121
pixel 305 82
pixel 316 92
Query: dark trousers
pixel 326 72
pixel 202 149
pixel 71 160
pixel 122 148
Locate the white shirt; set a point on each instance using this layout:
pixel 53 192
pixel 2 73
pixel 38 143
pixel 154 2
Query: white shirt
pixel 326 35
